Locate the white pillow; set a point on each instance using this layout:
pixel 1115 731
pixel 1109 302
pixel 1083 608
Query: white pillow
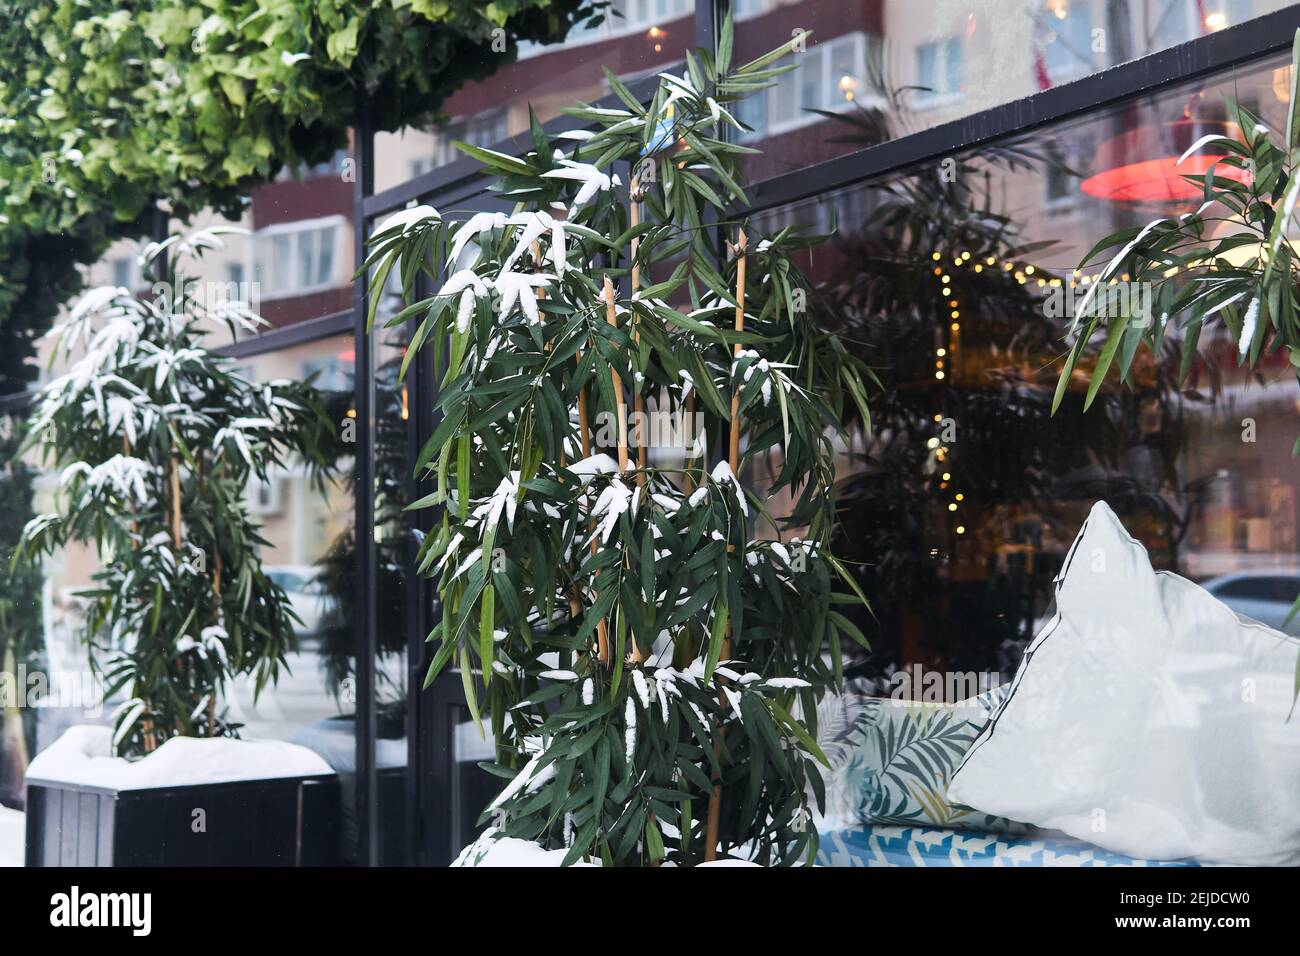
pixel 1146 718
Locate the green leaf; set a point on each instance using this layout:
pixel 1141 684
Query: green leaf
pixel 502 162
pixel 717 637
pixel 1113 339
pixel 486 629
pixel 1293 111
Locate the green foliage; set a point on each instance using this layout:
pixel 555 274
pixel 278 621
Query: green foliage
pixel 158 439
pixel 108 107
pixel 1245 276
pixel 636 636
pixel 20 585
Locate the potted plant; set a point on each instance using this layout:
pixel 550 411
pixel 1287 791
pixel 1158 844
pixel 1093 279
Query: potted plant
pixel 157 439
pixel 645 636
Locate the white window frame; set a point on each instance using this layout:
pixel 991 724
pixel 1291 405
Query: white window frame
pixel 261 255
pixel 923 100
pixel 829 96
pixel 274 488
pixel 638 15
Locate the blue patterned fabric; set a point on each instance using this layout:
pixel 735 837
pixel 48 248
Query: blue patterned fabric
pixel 884 845
pixel 891 761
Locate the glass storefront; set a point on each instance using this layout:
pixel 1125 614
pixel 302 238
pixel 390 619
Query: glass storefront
pixel 958 281
pixel 868 73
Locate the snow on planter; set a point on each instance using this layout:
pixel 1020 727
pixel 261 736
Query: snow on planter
pixel 82 756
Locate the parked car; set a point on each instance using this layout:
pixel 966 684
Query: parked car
pixel 307 594
pixel 1265 595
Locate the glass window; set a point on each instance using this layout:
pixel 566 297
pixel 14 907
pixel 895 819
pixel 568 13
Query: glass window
pixel 938 69
pixel 306 530
pixel 958 291
pixel 298 258
pixel 925 67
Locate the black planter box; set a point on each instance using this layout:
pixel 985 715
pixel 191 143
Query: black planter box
pixel 290 821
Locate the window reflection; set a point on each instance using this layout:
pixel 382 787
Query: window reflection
pixel 41 613
pixel 957 283
pixel 895 69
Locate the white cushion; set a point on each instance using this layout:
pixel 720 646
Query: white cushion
pixel 1146 718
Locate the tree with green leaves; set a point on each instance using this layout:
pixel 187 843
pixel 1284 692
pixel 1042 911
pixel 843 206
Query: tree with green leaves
pixel 109 108
pixel 157 439
pixel 1230 260
pixel 21 630
pixel 646 635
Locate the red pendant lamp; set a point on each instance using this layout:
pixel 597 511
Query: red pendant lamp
pixel 1140 165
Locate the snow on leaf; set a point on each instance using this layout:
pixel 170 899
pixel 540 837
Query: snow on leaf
pixel 529 778
pixel 592 179
pixel 561 675
pixel 503 501
pixel 723 474
pixel 610 506
pixel 587 468
pixel 517 288
pixel 470 287
pixel 477 224
pixel 408 219
pixel 786 683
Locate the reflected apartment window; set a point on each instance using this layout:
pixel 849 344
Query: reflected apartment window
pixel 621 17
pixel 1183 20
pixel 298 258
pixel 126 272
pixel 829 76
pixel 939 70
pixel 486 129
pixel 1063 34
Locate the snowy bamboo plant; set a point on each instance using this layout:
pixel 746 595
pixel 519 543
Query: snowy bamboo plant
pixel 642 628
pixel 157 439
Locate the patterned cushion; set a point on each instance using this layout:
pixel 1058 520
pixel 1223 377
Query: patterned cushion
pixel 882 845
pixel 891 761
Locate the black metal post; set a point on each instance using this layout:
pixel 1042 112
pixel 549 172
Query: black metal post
pixel 365 616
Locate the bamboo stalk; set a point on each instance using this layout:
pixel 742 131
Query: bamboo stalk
pixel 620 400
pixel 175 472
pixel 146 725
pixel 733 459
pixel 216 591
pixel 575 600
pixel 688 421
pixel 638 400
pixel 584 436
